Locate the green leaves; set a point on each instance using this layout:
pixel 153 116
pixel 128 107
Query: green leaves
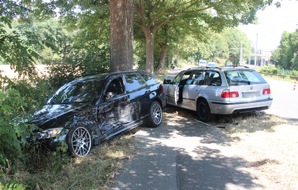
pixel 11 102
pixel 286 55
pixel 17 99
pixel 16 50
pixel 11 9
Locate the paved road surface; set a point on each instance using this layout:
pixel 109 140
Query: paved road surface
pixel 285 99
pixel 185 154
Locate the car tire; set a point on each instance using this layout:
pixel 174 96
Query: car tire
pixel 79 141
pixel 155 115
pixel 203 110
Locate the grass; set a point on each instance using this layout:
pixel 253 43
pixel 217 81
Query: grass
pixel 248 123
pixel 96 171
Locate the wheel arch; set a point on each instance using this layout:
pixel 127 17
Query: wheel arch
pixel 204 114
pixel 74 128
pixel 157 116
pixel 200 98
pixel 157 100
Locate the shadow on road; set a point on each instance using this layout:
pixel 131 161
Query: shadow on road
pixel 185 154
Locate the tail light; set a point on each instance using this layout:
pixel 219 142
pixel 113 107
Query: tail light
pixel 266 91
pixel 229 94
pixel 162 89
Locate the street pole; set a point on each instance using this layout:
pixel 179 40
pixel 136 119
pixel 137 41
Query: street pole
pixel 241 49
pixel 256 49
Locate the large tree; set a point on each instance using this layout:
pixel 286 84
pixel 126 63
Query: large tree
pixel 121 25
pixel 152 15
pixel 181 35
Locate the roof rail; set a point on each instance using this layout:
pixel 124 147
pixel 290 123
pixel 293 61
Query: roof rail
pixel 241 66
pixel 214 67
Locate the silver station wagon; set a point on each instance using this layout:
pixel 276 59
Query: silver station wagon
pixel 220 90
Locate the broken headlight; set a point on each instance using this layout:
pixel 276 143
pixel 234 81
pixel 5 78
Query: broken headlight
pixel 49 133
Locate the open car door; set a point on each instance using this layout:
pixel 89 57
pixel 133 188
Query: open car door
pixel 173 91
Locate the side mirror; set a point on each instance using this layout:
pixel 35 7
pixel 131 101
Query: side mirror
pixel 109 95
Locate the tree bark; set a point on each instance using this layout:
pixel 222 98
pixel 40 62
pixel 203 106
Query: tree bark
pixel 149 51
pixel 162 58
pixel 121 23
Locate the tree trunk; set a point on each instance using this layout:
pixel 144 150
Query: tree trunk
pixel 149 51
pixel 121 23
pixel 177 59
pixel 162 58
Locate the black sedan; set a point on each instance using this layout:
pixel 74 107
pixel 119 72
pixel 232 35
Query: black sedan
pixel 92 109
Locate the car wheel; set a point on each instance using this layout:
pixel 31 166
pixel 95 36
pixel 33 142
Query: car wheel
pixel 155 117
pixel 203 110
pixel 79 141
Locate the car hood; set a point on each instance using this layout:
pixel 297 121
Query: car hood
pixel 51 116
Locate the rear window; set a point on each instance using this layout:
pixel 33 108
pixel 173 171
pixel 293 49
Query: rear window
pixel 243 77
pixel 149 78
pixel 134 82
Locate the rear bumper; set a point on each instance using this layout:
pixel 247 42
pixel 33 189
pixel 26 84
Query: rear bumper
pixel 241 107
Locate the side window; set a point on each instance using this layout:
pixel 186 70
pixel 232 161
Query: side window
pixel 134 82
pixel 150 80
pixel 114 88
pixel 198 78
pixel 186 78
pixel 212 78
pixel 178 78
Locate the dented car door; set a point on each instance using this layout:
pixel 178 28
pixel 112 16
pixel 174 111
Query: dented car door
pixel 109 110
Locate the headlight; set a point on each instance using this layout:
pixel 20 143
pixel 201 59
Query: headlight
pixel 49 133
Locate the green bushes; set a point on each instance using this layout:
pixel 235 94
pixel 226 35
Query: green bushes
pixel 268 70
pixel 10 151
pixel 17 98
pixel 279 72
pixel 294 73
pixel 89 60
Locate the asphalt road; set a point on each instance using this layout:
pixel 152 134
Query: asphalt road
pixel 285 99
pixel 186 154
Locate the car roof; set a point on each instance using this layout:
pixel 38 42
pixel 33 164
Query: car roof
pixel 221 68
pixel 103 76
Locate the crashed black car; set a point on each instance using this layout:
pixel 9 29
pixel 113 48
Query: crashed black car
pixel 92 109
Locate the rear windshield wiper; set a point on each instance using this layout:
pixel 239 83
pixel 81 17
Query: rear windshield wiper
pixel 241 81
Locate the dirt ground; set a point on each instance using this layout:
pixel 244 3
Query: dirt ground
pixel 271 150
pixel 274 154
pixel 267 143
pixel 269 140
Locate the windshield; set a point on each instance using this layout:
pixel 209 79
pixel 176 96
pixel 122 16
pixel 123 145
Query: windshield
pixel 243 77
pixel 77 91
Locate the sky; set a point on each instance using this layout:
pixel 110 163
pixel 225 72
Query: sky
pixel 271 24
